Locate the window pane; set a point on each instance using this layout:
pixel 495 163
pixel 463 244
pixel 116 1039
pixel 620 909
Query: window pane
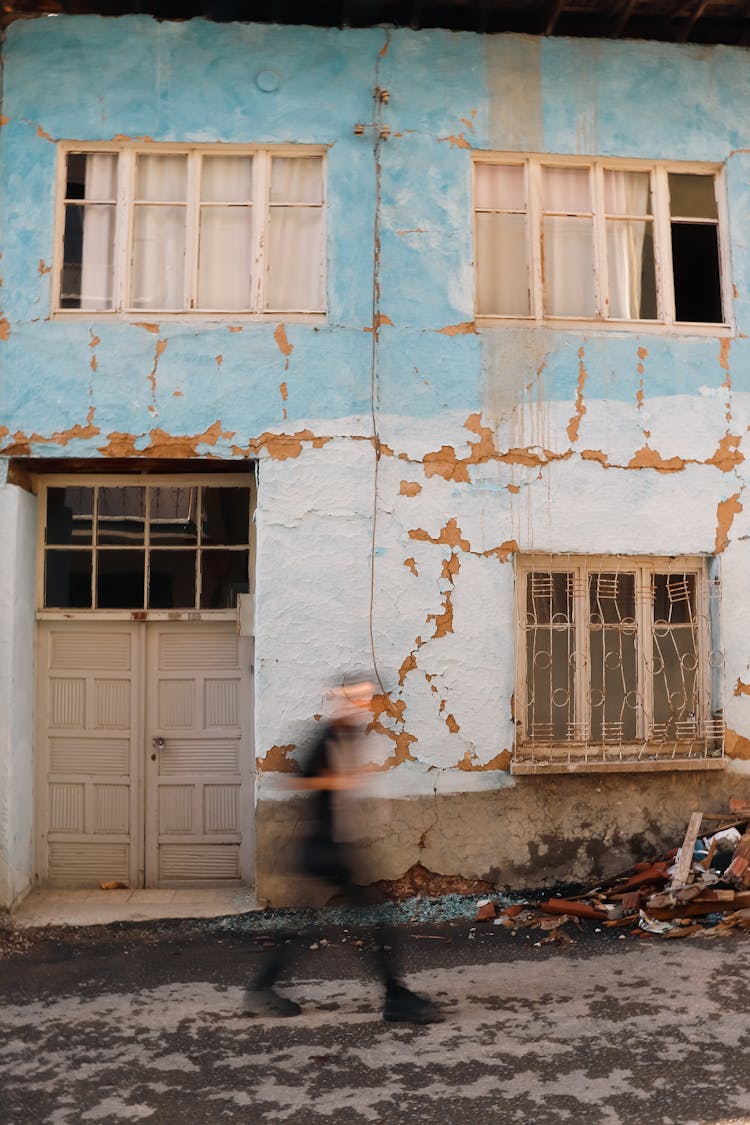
pixel 225 516
pixel 611 598
pixel 502 265
pixel 119 579
pixel 297 179
pixel 675 688
pixel 614 685
pixel 225 258
pixel 550 679
pixel 171 580
pixel 627 193
pixel 501 186
pixel 159 258
pixel 227 179
pixel 295 259
pixel 568 267
pixel 69 515
pixel 674 598
pixel 88 257
pixel 549 598
pixel 692 196
pixel 566 189
pixel 67 579
pixel 224 575
pixel 121 516
pixel 631 270
pixel 697 279
pixel 91 176
pixel 161 178
pixel 173 516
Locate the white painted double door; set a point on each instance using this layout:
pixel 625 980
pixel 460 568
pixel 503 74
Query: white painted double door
pixel 145 753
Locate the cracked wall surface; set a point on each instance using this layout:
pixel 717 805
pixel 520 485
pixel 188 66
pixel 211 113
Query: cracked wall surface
pixel 406 454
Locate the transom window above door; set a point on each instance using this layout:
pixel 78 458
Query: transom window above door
pixel 125 546
pixel 190 229
pixel 616 242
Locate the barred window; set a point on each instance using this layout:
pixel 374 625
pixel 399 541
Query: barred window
pixel 616 662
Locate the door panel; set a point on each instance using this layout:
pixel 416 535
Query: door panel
pixel 113 806
pixel 89 743
pixel 194 732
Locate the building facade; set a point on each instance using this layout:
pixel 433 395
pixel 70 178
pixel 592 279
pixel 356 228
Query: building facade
pixel 415 352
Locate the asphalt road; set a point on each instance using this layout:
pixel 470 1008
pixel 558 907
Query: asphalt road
pixel 139 1023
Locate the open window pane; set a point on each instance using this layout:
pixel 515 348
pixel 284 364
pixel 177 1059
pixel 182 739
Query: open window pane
pixel 697 279
pixel 631 270
pixel 159 258
pixel 295 257
pixel 91 176
pixel 171 580
pixel 88 257
pixel 501 187
pixel 67 579
pixel 568 266
pixel 225 258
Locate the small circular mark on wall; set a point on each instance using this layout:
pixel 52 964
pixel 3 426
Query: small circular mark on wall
pixel 268 81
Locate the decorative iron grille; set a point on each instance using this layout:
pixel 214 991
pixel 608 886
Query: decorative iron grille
pixel 618 660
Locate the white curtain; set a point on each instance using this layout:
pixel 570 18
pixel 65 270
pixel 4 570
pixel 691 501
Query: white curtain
pixel 159 233
pixel 626 193
pixel 98 222
pixel 225 266
pixel 502 240
pixel 294 264
pixel 568 247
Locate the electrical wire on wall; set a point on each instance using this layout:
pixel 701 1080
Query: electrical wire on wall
pixel 380 99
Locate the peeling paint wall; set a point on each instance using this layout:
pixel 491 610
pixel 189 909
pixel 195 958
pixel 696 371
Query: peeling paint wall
pixel 405 455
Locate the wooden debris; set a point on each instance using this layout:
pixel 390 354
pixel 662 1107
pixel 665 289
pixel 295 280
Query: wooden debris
pixel 685 860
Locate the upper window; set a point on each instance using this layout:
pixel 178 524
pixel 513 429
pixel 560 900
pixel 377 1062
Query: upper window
pixel 192 230
pixel 598 240
pixel 617 663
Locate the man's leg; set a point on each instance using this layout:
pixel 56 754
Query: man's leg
pixel 260 998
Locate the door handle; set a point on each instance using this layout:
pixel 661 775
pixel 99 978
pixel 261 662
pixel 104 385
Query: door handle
pixel 158 743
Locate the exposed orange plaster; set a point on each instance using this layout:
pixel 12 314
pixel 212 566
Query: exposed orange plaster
pixel 234 327
pixel 42 268
pixel 177 394
pixel 451 567
pixel 277 760
pixel 741 688
pixel 445 464
pixel 466 328
pixel 3 120
pixel 146 325
pixel 639 396
pixel 93 364
pixel 411 230
pixel 409 488
pixel 513 487
pixel 94 342
pixel 41 133
pixel 379 321
pixel 280 447
pixel 595 455
pixel 219 360
pixel 647 458
pixel 642 353
pixel 575 421
pixel 284 391
pixel 4 328
pixel 283 344
pixel 724 346
pixel 501 761
pixel 408 665
pixel 456 141
pixel 449 536
pixel 725 513
pixel 411 565
pixel 451 724
pixel 509 547
pixel 443 621
pixel 469 121
pixel 162 444
pixel 125 137
pixel 158 353
pixel 442 706
pixel 736 745
pixel 728 454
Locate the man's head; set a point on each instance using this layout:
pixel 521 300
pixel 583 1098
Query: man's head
pixel 353 699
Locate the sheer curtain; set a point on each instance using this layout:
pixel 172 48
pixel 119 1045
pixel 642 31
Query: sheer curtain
pixel 631 297
pixel 98 231
pixel 294 273
pixel 225 260
pixel 159 233
pixel 568 243
pixel 502 240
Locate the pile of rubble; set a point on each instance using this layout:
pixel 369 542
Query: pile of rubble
pixel 700 889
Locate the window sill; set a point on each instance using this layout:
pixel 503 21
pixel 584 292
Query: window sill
pixel 136 615
pixel 554 763
pixel 151 317
pixel 607 327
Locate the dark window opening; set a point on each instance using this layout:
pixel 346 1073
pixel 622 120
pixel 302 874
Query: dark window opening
pixel 695 264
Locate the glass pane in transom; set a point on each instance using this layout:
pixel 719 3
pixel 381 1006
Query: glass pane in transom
pixel 121 516
pixel 566 189
pixel 173 516
pixel 224 575
pixel 171 580
pixel 225 516
pixel 501 187
pixel 119 579
pixel 227 179
pixel 70 514
pixel 692 196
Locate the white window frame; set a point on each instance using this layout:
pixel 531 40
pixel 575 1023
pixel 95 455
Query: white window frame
pixel 177 480
pixel 532 164
pixel 702 750
pixel 127 154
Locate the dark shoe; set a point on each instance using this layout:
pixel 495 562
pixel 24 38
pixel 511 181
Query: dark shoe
pixel 266 1002
pixel 404 1006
